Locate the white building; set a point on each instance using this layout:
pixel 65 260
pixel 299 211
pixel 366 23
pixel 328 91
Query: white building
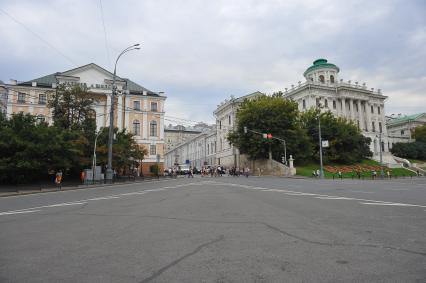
pixel 400 128
pixel 197 152
pixel 225 115
pixel 352 100
pixel 138 109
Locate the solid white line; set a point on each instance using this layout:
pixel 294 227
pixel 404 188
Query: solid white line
pixel 18 212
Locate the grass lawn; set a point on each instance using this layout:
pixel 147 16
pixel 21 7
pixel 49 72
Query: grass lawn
pixel 306 170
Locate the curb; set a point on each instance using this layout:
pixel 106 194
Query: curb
pixel 79 187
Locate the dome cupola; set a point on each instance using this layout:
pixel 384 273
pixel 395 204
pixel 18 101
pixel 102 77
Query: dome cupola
pixel 322 72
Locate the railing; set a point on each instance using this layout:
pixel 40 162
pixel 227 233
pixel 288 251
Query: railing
pixel 335 85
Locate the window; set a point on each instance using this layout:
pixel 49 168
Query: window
pixel 321 78
pixel 380 127
pixel 136 105
pixel 402 132
pixel 40 119
pixel 215 146
pixel 229 119
pixel 42 98
pixel 378 109
pixel 136 128
pixel 304 104
pixel 154 106
pixel 332 79
pixel 357 122
pixel 373 127
pixel 326 103
pixel 152 149
pixel 334 104
pixel 208 149
pixel 220 124
pixel 153 129
pixel 372 109
pixel 356 107
pixel 21 97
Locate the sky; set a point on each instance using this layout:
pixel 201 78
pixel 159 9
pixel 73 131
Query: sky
pixel 202 52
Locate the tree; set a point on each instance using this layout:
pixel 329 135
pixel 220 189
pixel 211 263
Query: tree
pixel 275 115
pixel 72 105
pixel 29 150
pixel 126 152
pixel 346 143
pixel 420 133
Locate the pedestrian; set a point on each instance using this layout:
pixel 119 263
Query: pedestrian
pixel 340 175
pixel 314 173
pixel 318 172
pixel 82 176
pixel 388 174
pixel 58 179
pixel 247 172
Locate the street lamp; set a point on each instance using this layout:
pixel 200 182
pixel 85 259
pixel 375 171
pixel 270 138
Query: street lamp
pixel 382 174
pixel 319 106
pixel 109 171
pixel 94 157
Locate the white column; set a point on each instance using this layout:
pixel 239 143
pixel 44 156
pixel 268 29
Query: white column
pixel 360 116
pixel 10 105
pixel 108 108
pixel 120 112
pixel 161 126
pixel 144 126
pixel 368 114
pixel 343 107
pixel 351 110
pixel 99 117
pixel 126 113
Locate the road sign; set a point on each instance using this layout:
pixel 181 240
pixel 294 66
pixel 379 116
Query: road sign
pixel 325 144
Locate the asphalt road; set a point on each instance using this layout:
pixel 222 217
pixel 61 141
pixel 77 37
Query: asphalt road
pixel 218 230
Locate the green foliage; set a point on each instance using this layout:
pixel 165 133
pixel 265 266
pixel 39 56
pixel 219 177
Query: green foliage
pixel 420 133
pixel 28 151
pixel 346 143
pixel 72 106
pixel 275 115
pixel 413 150
pixel 125 151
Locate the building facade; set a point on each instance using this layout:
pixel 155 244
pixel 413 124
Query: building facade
pixel 137 109
pixel 197 152
pixel 173 136
pixel 226 114
pixel 354 101
pixel 400 128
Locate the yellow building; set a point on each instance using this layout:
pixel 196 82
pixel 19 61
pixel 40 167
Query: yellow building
pixel 137 109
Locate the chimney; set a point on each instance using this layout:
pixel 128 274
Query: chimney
pixel 34 83
pixel 144 92
pixel 13 82
pixel 161 93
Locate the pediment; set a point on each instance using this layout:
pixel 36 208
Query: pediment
pixel 91 74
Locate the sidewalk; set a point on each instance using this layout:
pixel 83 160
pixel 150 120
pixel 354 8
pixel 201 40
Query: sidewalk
pixel 6 191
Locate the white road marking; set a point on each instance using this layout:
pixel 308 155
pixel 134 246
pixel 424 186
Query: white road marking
pixel 84 201
pixel 17 212
pixel 392 204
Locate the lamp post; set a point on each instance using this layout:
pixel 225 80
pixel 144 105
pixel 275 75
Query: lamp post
pixel 320 141
pixel 109 171
pixel 94 157
pixel 382 174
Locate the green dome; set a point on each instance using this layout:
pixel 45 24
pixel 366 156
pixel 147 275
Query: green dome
pixel 319 64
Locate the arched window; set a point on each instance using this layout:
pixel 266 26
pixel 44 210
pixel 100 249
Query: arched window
pixel 321 78
pixel 332 79
pixel 136 128
pixel 153 129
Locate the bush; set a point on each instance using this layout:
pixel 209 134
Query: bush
pixel 414 150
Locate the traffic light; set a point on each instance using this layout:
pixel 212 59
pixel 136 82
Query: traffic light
pixel 269 136
pixel 265 136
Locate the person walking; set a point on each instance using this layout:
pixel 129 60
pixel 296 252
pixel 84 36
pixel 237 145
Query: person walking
pixel 58 179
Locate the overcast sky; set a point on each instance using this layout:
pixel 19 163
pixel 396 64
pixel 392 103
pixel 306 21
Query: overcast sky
pixel 201 52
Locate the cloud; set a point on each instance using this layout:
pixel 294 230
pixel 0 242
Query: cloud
pixel 201 52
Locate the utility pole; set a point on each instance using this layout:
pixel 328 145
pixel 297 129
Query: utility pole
pixel 320 142
pixel 109 171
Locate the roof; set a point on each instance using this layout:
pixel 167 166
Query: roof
pixel 48 80
pixel 319 64
pixel 405 118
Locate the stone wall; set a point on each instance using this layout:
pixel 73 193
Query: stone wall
pixel 266 167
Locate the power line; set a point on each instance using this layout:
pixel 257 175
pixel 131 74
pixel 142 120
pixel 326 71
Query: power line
pixel 105 33
pixel 39 37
